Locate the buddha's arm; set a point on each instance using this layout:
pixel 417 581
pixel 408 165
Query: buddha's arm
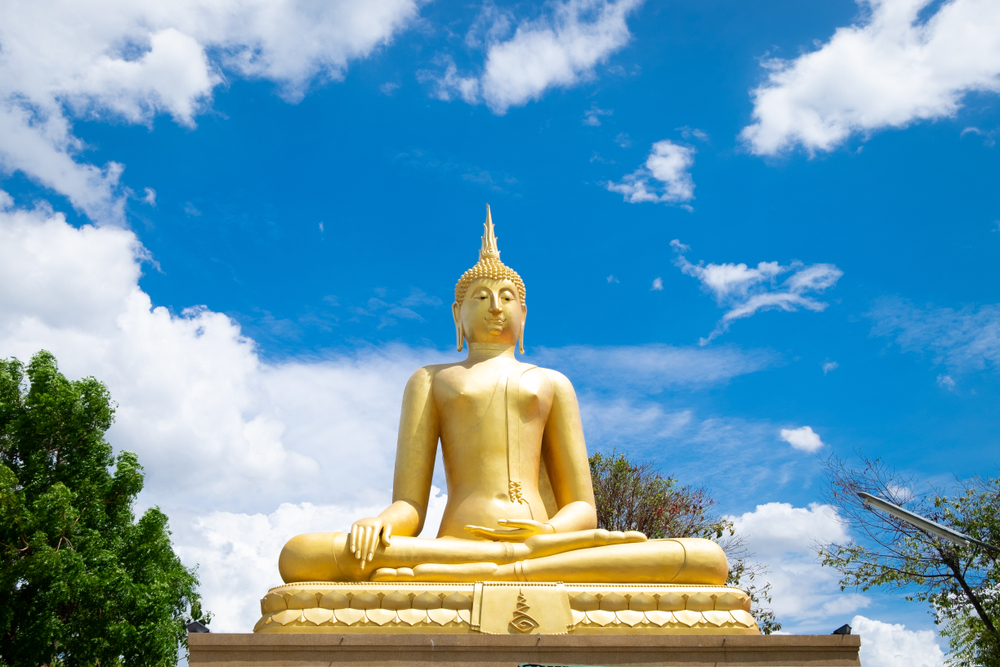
pixel 565 454
pixel 416 448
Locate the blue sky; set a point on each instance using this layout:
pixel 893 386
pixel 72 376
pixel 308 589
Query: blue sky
pixel 298 189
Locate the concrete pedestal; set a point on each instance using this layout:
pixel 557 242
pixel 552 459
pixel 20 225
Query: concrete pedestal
pixel 419 650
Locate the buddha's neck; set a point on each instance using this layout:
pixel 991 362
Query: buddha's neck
pixel 482 351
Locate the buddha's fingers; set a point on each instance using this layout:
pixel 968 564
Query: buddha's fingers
pixel 548 545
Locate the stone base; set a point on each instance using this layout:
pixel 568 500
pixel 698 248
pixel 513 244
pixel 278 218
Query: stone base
pixel 472 650
pixel 500 608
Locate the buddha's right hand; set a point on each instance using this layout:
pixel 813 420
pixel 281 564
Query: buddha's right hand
pixel 365 536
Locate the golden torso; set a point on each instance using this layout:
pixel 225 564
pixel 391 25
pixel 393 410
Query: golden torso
pixel 471 399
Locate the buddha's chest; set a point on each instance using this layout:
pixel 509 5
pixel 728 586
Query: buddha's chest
pixel 487 399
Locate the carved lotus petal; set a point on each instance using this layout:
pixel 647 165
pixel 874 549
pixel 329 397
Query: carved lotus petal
pixel 396 600
pixel 642 602
pixel 578 616
pixel 412 616
pixel 365 600
pixel 659 618
pixel 334 600
pixel 629 617
pixel 381 616
pixel 442 616
pixel 728 601
pixel 670 602
pixel 700 602
pixel 613 602
pixel 349 616
pixel 584 602
pixel 687 617
pixel 261 623
pixel 302 600
pixel 601 617
pixel 287 616
pixel 465 616
pixel 457 601
pixel 743 618
pixel 272 602
pixel 718 618
pixel 427 601
pixel 317 616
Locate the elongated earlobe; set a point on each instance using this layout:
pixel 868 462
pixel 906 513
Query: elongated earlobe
pixel 520 341
pixel 456 311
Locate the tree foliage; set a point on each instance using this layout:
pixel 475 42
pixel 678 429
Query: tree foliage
pixel 960 583
pixel 81 581
pixel 633 496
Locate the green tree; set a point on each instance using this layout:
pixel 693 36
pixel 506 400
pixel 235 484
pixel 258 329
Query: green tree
pixel 633 496
pixel 960 583
pixel 81 581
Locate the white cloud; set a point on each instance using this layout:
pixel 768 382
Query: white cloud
pixel 650 369
pixel 557 50
pixel 149 196
pixel 830 366
pixel 805 596
pixel 657 285
pixel 667 163
pixel 803 438
pixel 745 291
pixel 892 645
pixel 592 115
pixel 946 382
pixel 131 61
pixel 963 340
pixel 889 70
pixel 238 553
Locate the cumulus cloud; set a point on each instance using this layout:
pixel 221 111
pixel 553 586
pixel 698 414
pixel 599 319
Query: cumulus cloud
pixel 892 645
pixel 657 285
pixel 238 553
pixel 557 50
pixel 830 366
pixel 890 69
pixel 963 340
pixel 803 439
pixel 806 596
pixel 745 291
pixel 131 61
pixel 667 167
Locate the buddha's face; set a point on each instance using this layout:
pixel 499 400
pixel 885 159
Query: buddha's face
pixel 491 312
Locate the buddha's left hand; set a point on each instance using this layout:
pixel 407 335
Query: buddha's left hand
pixel 514 530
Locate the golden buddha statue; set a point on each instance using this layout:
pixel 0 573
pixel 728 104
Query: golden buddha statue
pixel 520 502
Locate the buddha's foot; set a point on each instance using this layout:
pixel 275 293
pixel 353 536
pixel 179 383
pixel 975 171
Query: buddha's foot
pixel 439 572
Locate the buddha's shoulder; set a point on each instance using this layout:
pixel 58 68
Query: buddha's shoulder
pixel 428 374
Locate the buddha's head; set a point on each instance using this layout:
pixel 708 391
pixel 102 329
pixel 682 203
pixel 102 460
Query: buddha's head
pixel 489 298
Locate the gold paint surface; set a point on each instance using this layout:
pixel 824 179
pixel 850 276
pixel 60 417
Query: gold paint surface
pixel 520 508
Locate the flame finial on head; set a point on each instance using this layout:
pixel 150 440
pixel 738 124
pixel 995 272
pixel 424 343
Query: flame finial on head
pixel 489 265
pixel 489 249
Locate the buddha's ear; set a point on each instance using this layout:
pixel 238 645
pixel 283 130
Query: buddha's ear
pixel 456 311
pixel 520 336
